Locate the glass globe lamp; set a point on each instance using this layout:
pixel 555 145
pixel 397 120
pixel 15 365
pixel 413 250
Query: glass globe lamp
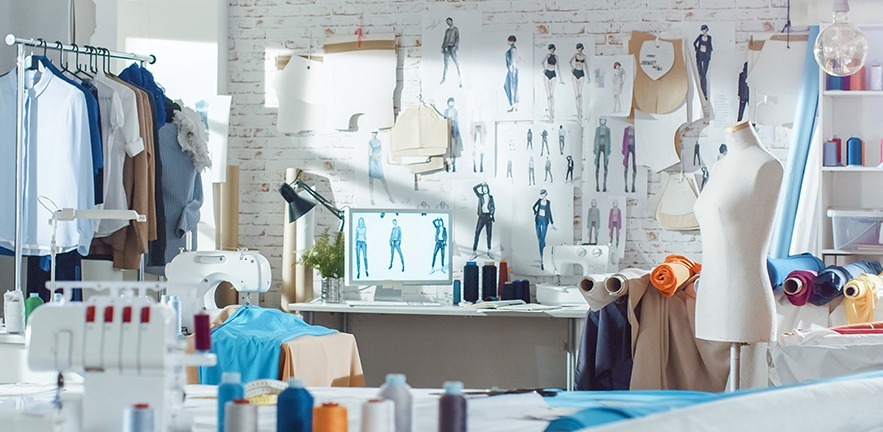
pixel 841 49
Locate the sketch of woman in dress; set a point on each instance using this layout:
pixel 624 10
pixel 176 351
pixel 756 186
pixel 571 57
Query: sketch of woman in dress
pixel 578 68
pixel 511 84
pixel 618 83
pixel 551 70
pixel 542 217
pixel 456 140
pixel 375 167
pixel 361 248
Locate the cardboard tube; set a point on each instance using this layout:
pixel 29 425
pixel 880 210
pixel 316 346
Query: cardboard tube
pixel 229 226
pixel 303 276
pixel 289 254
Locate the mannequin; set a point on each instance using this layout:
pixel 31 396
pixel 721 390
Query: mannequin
pixel 734 300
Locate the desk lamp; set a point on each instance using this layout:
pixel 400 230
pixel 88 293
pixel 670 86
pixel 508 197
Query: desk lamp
pixel 299 206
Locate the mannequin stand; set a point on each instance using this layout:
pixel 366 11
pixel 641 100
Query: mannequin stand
pixel 735 367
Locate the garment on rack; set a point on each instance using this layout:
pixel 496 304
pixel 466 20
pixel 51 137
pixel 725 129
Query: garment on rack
pixel 800 286
pixel 57 160
pixel 780 268
pixel 830 281
pixel 605 359
pixel 249 342
pixel 860 297
pixel 672 274
pixel 137 75
pixel 68 267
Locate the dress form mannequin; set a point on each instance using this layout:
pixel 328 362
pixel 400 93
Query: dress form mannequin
pixel 734 300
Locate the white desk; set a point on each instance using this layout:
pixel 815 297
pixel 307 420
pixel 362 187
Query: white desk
pixel 443 329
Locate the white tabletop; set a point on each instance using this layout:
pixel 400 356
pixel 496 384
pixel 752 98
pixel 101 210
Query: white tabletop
pixel 449 310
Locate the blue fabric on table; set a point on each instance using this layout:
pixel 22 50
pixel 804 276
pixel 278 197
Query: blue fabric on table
pixel 780 268
pixel 605 360
pixel 830 281
pixel 250 340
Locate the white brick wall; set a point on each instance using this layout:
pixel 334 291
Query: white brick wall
pixel 257 26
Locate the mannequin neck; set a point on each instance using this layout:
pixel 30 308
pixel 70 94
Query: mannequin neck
pixel 741 136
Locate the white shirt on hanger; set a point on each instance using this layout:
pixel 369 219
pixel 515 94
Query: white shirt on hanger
pixel 58 165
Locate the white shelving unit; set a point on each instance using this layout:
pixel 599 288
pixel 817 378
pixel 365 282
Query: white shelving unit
pixel 847 114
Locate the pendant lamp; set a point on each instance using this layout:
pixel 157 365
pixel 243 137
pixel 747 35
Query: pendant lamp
pixel 841 48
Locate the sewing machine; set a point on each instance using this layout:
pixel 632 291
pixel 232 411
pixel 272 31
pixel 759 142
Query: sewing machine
pixel 124 345
pixel 563 260
pixel 194 277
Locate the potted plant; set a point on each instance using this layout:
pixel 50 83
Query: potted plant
pixel 327 256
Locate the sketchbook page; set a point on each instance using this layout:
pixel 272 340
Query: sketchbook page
pixel 543 154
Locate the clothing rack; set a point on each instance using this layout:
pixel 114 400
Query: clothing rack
pixel 21 43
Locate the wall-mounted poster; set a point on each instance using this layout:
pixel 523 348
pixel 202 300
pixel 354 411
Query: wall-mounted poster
pixel 376 182
pixel 561 78
pixel 505 75
pixel 542 217
pixel 612 84
pixel 482 220
pixel 451 39
pixel 612 166
pixel 604 222
pixel 545 154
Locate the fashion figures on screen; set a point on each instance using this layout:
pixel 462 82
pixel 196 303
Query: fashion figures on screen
pixel 561 139
pixel 602 146
pixel 531 179
pixel 477 149
pixel 614 222
pixel 618 83
pixel 485 217
pixel 450 45
pixel 548 176
pixel 545 143
pixel 628 152
pixel 361 248
pixel 551 71
pixel 578 69
pixel 375 167
pixel 441 242
pixel 542 216
pixel 456 140
pixel 703 48
pixel 511 84
pixel 593 222
pixel 569 174
pixel 395 244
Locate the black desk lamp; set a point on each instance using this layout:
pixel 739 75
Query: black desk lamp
pixel 299 206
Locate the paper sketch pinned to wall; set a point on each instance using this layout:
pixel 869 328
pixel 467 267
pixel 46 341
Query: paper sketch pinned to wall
pixel 472 151
pixel 504 75
pixel 656 133
pixel 604 222
pixel 542 217
pixel 561 77
pixel 303 92
pixel 482 220
pixel 376 182
pixel 543 154
pixel 668 92
pixel 351 62
pixel 612 166
pixel 612 84
pixel 773 89
pixel 450 44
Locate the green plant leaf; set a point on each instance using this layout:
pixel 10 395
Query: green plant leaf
pixel 326 256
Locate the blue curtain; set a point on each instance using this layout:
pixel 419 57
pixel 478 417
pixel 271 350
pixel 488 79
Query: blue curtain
pixel 804 126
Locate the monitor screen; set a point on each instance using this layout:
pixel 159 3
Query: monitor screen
pixel 406 247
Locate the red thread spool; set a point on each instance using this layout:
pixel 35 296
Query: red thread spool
pixel 203 331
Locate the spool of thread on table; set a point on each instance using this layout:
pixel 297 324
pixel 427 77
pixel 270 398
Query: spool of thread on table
pixel 503 277
pixel 330 417
pixel 854 151
pixel 294 408
pixel 452 408
pixel 202 329
pixel 139 418
pixel 175 303
pixel 839 143
pixel 525 290
pixel 378 415
pixel 508 291
pixel 857 80
pixel 831 155
pixel 488 281
pixel 470 282
pixel 457 292
pixel 240 416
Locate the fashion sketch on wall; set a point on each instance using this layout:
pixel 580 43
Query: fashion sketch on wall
pixel 377 183
pixel 543 154
pixel 613 84
pixel 504 86
pixel 472 152
pixel 605 222
pixel 450 38
pixel 703 47
pixel 562 78
pixel 717 65
pixel 543 217
pixel 613 164
pixel 482 220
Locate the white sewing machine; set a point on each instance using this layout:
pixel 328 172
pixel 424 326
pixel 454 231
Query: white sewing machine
pixel 194 277
pixel 123 344
pixel 562 260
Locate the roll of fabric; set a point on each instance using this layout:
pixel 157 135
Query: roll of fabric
pixel 830 281
pixel 861 298
pixel 618 283
pixel 780 268
pixel 671 274
pixel 799 286
pixel 592 288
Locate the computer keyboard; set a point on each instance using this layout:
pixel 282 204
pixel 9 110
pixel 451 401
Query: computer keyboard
pixel 372 303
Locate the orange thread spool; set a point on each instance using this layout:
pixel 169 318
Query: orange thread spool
pixel 330 417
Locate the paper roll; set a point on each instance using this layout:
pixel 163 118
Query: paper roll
pixel 617 284
pixel 304 239
pixel 229 223
pixel 289 254
pixel 592 289
pixel 877 77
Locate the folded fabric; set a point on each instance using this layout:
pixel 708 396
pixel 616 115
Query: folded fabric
pixel 830 281
pixel 615 406
pixel 673 273
pixel 860 326
pixel 249 342
pixel 861 297
pixel 799 286
pixel 780 268
pixel 605 355
pixel 618 283
pixel 592 288
pixel 858 331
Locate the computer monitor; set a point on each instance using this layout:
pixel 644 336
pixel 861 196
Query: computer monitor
pixel 393 248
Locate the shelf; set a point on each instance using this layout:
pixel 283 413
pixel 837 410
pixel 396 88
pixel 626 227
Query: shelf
pixel 866 252
pixel 853 168
pixel 852 93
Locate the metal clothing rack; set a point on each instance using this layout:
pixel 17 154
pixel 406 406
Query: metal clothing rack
pixel 11 39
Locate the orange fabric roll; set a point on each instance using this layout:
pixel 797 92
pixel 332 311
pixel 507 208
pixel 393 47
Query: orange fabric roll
pixel 673 273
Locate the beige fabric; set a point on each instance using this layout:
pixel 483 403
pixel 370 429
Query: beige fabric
pixel 665 351
pixel 666 94
pixel 675 211
pixel 321 361
pixel 420 131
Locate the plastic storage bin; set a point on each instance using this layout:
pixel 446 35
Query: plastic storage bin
pixel 856 229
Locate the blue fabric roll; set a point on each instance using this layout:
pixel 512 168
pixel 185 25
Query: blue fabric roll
pixel 250 340
pixel 829 283
pixel 779 268
pixel 600 408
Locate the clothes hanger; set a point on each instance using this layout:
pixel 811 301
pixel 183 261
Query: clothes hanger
pixel 35 61
pixel 93 59
pixel 79 72
pixel 61 62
